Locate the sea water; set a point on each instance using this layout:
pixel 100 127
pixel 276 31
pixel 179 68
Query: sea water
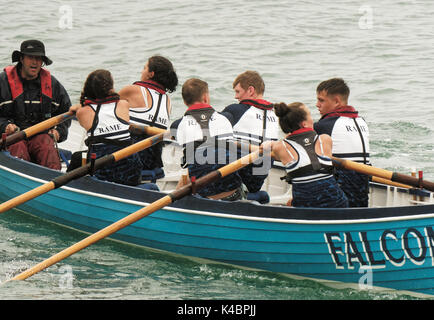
pixel 384 50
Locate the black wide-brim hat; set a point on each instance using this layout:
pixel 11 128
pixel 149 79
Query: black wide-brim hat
pixel 31 48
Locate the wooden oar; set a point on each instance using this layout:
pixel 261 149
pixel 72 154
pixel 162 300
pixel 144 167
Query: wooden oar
pixel 31 131
pixel 390 183
pixel 166 200
pixel 379 175
pixel 385 174
pixel 140 129
pixel 81 172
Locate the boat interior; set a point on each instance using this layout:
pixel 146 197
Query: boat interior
pixel 279 191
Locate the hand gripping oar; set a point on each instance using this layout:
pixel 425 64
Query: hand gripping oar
pixel 141 213
pixel 81 171
pixel 382 173
pixel 31 131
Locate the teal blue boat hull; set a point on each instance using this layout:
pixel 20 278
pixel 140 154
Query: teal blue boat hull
pixel 386 247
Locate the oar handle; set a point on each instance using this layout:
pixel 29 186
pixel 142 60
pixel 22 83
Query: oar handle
pixel 31 131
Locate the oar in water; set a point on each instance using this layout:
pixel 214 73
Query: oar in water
pixel 81 171
pixel 31 131
pixel 141 213
pixel 385 174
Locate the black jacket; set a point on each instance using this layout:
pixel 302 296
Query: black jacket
pixel 25 114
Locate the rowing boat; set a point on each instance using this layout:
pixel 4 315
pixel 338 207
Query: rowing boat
pixel 389 245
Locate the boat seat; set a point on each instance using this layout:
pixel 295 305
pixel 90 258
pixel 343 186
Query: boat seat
pixel 152 175
pixel 260 196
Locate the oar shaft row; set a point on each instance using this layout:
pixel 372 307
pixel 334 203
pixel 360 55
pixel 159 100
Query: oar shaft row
pixel 385 174
pixel 389 176
pixel 80 172
pixel 141 213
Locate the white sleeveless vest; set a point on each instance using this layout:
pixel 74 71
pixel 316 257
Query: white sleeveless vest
pixel 108 125
pixel 146 116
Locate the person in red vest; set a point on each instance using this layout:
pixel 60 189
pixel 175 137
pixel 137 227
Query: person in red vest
pixel 29 94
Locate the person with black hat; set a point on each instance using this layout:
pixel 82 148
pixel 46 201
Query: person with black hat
pixel 29 94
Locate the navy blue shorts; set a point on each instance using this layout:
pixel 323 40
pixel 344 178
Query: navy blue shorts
pixel 355 185
pixel 125 171
pixel 323 193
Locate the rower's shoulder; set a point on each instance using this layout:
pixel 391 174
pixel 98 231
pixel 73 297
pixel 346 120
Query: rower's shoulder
pixel 325 125
pixel 128 90
pixel 325 138
pixel 122 103
pixel 234 112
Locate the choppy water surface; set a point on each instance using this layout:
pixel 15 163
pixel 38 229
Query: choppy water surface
pixel 384 50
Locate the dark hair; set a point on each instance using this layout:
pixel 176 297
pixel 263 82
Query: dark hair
pixel 290 116
pixel 164 73
pixel 334 86
pixel 193 90
pixel 250 78
pixel 98 85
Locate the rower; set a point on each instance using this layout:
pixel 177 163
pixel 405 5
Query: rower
pixel 150 105
pixel 106 119
pixel 254 122
pixel 350 134
pixel 306 157
pixel 206 137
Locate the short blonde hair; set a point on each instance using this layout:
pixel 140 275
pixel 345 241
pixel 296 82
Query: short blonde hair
pixel 250 78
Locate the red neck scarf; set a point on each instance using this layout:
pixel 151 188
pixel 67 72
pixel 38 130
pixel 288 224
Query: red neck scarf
pixel 301 130
pixel 258 103
pixel 345 111
pixel 151 85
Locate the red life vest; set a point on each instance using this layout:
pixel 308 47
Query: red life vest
pixel 16 85
pixel 151 85
pixel 258 103
pixel 346 111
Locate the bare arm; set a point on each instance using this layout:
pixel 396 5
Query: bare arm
pixel 133 94
pixel 122 110
pixel 85 117
pixel 169 106
pixel 327 144
pixel 280 151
